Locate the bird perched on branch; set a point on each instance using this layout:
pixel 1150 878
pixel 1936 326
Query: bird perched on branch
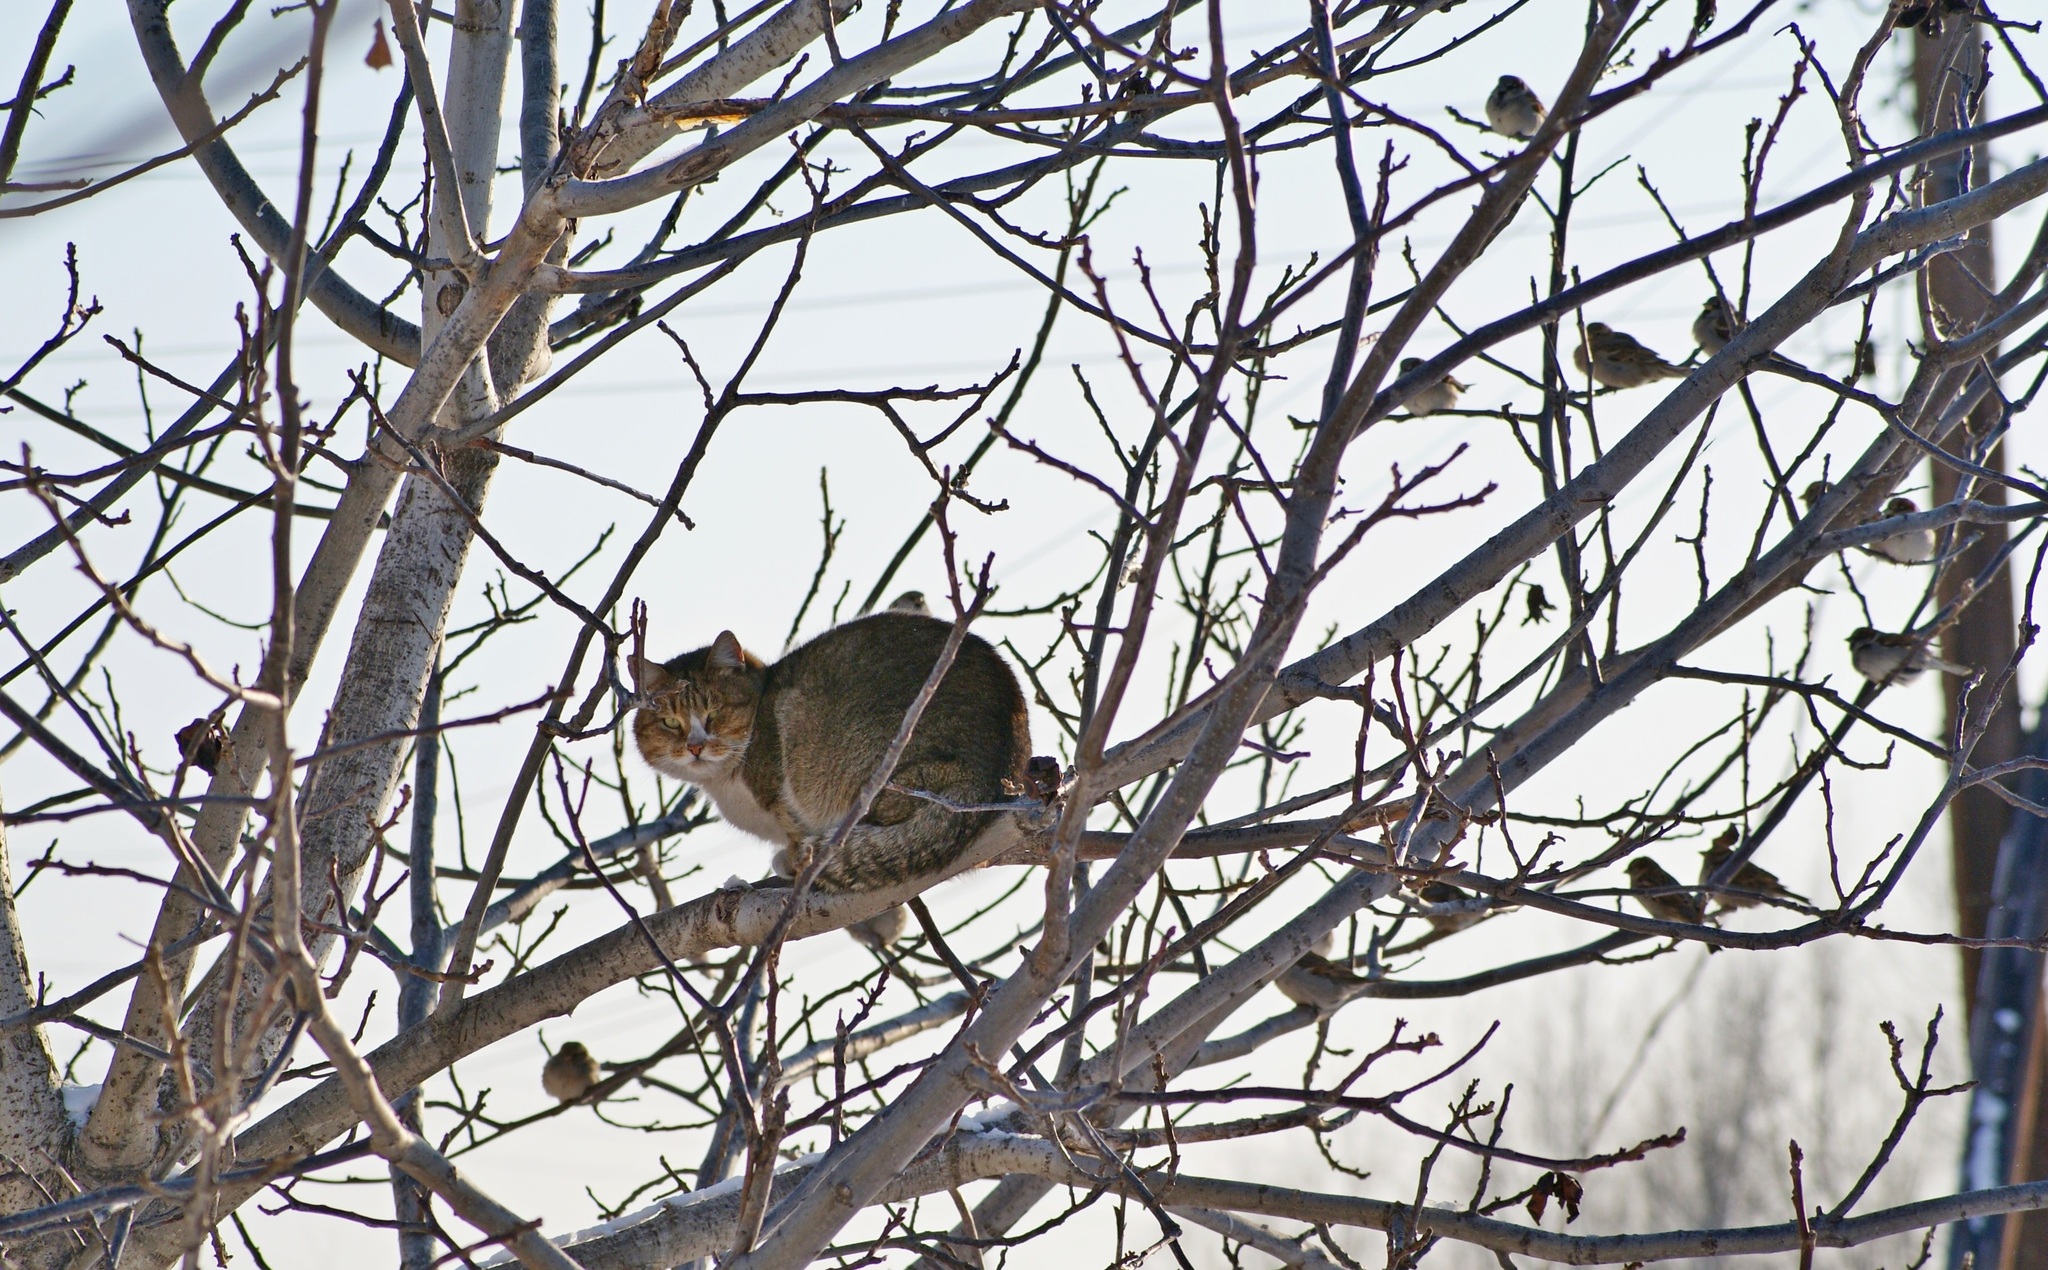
pixel 1714 326
pixel 1908 546
pixel 1432 398
pixel 1318 982
pixel 1661 895
pixel 571 1073
pixel 910 602
pixel 1885 658
pixel 1439 892
pixel 1752 883
pixel 1928 17
pixel 883 929
pixel 1619 361
pixel 1513 109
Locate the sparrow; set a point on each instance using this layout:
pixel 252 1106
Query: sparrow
pixel 910 602
pixel 1714 326
pixel 1444 893
pixel 881 930
pixel 1661 895
pixel 1539 603
pixel 1885 658
pixel 1432 398
pixel 1815 491
pixel 1513 109
pixel 1908 546
pixel 1928 17
pixel 1911 16
pixel 1618 361
pixel 1752 883
pixel 1318 982
pixel 571 1073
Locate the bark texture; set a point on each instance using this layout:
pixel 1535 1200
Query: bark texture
pixel 31 1105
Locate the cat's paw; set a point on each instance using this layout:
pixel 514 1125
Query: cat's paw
pixel 794 858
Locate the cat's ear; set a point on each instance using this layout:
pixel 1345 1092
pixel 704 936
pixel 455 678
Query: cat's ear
pixel 651 676
pixel 726 653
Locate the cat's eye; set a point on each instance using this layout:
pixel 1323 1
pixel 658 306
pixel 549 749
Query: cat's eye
pixel 672 723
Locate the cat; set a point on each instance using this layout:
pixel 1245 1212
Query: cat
pixel 782 750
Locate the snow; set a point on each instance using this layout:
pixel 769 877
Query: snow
pixel 78 1101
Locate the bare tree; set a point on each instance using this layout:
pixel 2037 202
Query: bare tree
pixel 1275 769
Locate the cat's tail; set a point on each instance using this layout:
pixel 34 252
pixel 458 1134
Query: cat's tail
pixel 916 828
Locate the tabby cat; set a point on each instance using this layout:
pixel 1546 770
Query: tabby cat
pixel 783 750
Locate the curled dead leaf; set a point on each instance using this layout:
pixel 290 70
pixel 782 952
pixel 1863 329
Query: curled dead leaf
pixel 380 49
pixel 201 743
pixel 1562 1187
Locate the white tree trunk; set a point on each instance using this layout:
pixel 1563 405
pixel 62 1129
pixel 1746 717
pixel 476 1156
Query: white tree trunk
pixel 419 565
pixel 31 1107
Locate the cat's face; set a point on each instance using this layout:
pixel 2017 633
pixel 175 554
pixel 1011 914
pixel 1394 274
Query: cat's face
pixel 702 716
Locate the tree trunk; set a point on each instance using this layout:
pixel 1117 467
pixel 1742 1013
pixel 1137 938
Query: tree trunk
pixel 31 1107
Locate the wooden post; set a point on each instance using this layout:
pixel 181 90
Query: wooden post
pixel 1947 68
pixel 1994 887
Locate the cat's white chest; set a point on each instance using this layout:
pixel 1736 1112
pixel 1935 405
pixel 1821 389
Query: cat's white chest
pixel 740 809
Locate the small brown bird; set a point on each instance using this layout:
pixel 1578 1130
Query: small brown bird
pixel 1432 398
pixel 1450 923
pixel 1714 326
pixel 1752 883
pixel 910 602
pixel 1661 895
pixel 883 929
pixel 1618 361
pixel 1318 982
pixel 1513 109
pixel 1928 17
pixel 1886 658
pixel 1908 546
pixel 1815 491
pixel 571 1073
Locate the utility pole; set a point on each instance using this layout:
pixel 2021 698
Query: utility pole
pixel 1997 859
pixel 1948 75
